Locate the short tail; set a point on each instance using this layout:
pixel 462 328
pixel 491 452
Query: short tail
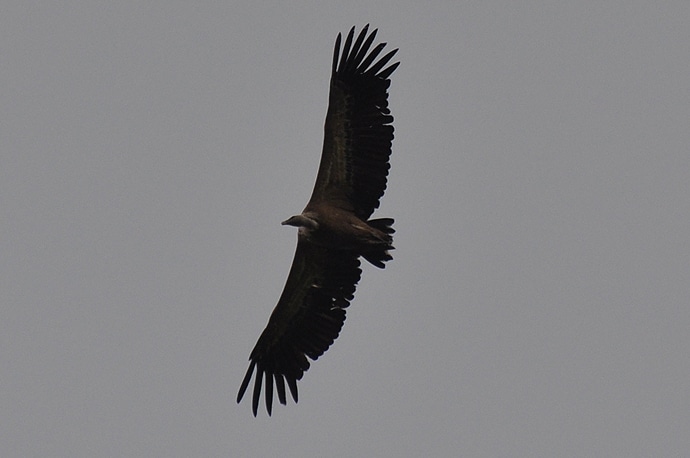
pixel 378 256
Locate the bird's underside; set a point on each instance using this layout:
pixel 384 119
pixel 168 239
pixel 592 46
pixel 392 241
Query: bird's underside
pixel 335 228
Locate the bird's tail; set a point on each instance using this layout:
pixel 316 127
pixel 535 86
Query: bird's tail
pixel 379 255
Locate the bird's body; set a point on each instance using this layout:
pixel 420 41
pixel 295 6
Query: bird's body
pixel 335 228
pixel 339 229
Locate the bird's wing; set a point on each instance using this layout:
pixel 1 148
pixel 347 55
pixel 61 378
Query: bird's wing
pixel 306 321
pixel 358 131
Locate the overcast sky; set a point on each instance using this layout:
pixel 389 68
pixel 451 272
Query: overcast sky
pixel 538 302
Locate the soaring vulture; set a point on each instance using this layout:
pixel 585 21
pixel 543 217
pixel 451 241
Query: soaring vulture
pixel 334 227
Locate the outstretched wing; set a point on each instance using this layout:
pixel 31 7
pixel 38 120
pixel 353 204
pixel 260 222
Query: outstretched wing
pixel 306 321
pixel 358 131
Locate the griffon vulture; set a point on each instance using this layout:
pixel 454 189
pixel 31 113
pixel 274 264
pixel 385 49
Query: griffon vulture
pixel 334 228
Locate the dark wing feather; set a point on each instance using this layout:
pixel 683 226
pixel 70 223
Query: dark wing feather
pixel 306 321
pixel 358 131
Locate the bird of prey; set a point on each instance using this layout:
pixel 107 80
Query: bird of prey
pixel 335 228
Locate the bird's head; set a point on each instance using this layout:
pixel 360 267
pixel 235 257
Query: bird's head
pixel 301 221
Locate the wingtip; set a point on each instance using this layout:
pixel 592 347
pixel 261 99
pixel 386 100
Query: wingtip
pixel 257 390
pixel 245 381
pixel 269 392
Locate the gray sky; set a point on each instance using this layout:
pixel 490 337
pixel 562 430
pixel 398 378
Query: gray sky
pixel 538 302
